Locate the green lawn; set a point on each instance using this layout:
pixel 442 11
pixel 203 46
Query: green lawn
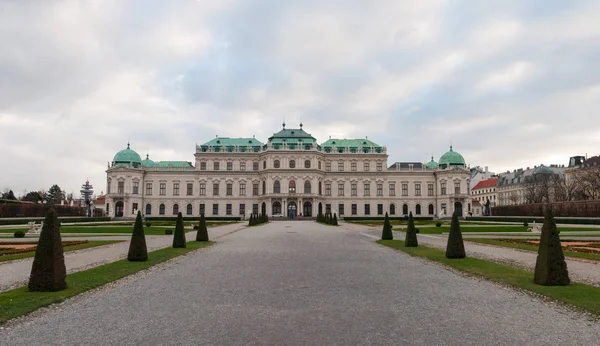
pixel 499 242
pixel 578 295
pixel 20 302
pixel 484 229
pixel 66 249
pixel 108 229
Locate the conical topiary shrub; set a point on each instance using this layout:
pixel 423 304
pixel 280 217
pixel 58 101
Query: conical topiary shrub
pixel 202 234
pixel 455 247
pixel 251 220
pixel 411 233
pixel 334 222
pixel 48 272
pixel 386 234
pixel 138 252
pixel 550 266
pixel 179 235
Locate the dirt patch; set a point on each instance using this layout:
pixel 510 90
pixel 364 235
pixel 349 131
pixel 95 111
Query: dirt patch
pixel 19 246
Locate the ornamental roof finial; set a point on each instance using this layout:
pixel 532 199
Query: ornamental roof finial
pixel 127 144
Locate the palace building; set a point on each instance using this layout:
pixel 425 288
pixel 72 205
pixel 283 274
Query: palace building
pixel 291 175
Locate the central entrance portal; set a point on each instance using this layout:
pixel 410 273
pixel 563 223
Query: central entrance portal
pixel 307 210
pixel 292 210
pixel 119 209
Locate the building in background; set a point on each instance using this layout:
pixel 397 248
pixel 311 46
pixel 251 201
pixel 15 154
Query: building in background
pixel 485 193
pixel 540 184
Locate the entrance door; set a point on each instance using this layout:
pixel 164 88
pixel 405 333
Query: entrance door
pixel 320 208
pixel 119 209
pixel 292 210
pixel 458 208
pixel 264 208
pixel 307 211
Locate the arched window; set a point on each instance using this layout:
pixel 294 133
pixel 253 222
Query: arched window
pixel 276 208
pixel 307 186
pixel 276 187
pixel 431 209
pixel 292 186
pixel 319 164
pixel 148 209
pixel 307 164
pixel 161 209
pixel 392 209
pixel 188 209
pixel 320 188
pixel 175 209
pixel 276 164
pixel 264 164
pixel 418 209
pixel 405 209
pixel 264 188
pixel 292 164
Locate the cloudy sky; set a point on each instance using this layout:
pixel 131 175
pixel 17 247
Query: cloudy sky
pixel 509 83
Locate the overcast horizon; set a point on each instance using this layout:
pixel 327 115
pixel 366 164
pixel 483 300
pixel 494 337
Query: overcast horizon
pixel 510 84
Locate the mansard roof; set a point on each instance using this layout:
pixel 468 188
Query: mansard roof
pixel 291 136
pixel 226 141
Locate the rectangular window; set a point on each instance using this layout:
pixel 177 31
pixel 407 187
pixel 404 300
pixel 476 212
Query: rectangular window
pixel 328 165
pixel 255 166
pixel 202 166
pixel 341 209
pixel 457 187
pixel 136 187
pixel 340 189
pixel 379 166
pixel 417 189
pixel 134 208
pixel 379 189
pixel 367 189
pixel 202 189
pixel 242 209
pixel 443 207
pixel 327 208
pixel 149 189
pixel 255 189
pixel 255 209
pixel 163 189
pixel 327 189
pixel 202 209
pixel 404 189
pixel 242 165
pixel 354 209
pixel 228 209
pixel 353 190
pixel 215 209
pixel 215 189
pixel 175 189
pixel 429 189
pixel 216 166
pixel 230 166
pixel 392 189
pixel 367 209
pixel 443 188
pixel 108 187
pixel 341 166
pixel 367 166
pixel 121 187
pixel 190 189
pixel 229 190
pixel 242 189
pixel 353 166
pixel 379 209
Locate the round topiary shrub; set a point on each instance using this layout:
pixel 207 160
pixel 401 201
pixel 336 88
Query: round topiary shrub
pixel 168 231
pixel 19 234
pixel 525 224
pixel 148 224
pixel 438 224
pixel 416 230
pixel 195 227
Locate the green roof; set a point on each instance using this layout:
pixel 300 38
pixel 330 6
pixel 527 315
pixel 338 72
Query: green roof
pixel 432 164
pixel 147 162
pixel 351 145
pixel 127 156
pixel 225 141
pixel 292 136
pixel 451 158
pixel 175 164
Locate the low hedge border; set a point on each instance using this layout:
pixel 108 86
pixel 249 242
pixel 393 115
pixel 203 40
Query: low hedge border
pixel 191 218
pixel 11 221
pixel 537 219
pixel 381 218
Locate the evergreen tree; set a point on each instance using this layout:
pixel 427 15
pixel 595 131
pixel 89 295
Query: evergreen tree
pixel 334 222
pixel 202 233
pixel 455 247
pixel 9 195
pixel 179 235
pixel 411 233
pixel 138 252
pixel 386 234
pixel 550 266
pixel 54 195
pixel 48 272
pixel 250 220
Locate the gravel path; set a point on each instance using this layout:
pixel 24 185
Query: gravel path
pixel 16 273
pixel 300 283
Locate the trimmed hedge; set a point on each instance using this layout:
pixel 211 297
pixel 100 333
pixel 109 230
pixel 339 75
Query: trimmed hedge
pixel 193 218
pixel 10 221
pixel 530 219
pixel 381 218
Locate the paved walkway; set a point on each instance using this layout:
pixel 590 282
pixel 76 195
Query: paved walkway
pixel 301 283
pixel 579 270
pixel 16 273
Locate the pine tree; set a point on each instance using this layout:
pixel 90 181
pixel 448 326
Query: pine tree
pixel 550 266
pixel 138 252
pixel 179 235
pixel 386 234
pixel 48 272
pixel 411 233
pixel 455 247
pixel 334 222
pixel 202 234
pixel 251 220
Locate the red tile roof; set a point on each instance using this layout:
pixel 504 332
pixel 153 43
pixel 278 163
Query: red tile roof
pixel 484 184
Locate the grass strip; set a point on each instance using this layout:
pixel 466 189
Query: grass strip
pixel 533 248
pixel 581 296
pixel 66 249
pixel 19 302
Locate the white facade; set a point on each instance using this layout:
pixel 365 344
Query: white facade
pixel 290 176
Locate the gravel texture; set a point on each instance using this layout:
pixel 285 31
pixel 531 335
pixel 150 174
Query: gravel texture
pixel 300 283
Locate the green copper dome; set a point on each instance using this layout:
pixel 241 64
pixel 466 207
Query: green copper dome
pixel 127 156
pixel 451 158
pixel 147 162
pixel 431 164
pixel 542 170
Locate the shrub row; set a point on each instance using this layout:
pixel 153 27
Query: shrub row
pixel 529 219
pixel 11 221
pixel 193 218
pixel 380 218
